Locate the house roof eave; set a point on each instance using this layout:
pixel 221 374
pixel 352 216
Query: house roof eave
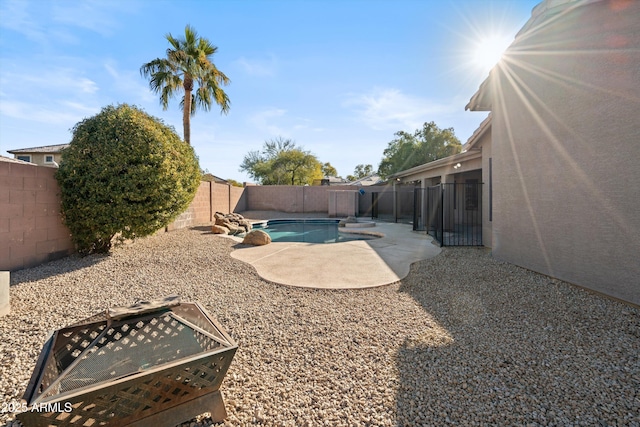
pixel 477 135
pixel 445 161
pixel 481 101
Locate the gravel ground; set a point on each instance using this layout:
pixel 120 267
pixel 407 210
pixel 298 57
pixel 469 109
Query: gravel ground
pixel 463 340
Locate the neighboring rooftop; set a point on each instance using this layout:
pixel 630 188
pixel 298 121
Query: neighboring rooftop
pixel 10 160
pixel 44 149
pixel 330 180
pixel 372 179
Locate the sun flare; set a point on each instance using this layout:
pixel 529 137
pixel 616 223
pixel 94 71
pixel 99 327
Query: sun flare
pixel 489 50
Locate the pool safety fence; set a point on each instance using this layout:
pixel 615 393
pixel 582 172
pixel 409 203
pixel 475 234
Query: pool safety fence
pixel 392 205
pixel 450 212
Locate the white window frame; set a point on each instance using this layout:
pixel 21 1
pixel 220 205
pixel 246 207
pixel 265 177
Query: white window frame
pixel 49 161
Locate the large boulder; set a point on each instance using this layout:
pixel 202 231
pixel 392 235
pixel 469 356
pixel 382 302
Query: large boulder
pixel 256 238
pixel 219 229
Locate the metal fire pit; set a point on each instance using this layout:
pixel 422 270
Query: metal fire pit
pixel 154 363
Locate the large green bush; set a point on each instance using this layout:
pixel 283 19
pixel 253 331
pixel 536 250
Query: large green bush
pixel 125 173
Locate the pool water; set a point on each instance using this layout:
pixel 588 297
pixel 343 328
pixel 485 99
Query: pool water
pixel 308 231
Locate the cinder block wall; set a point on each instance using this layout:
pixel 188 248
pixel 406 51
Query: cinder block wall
pixel 290 198
pixel 210 198
pixel 31 229
pixel 198 212
pixel 220 196
pixel 238 199
pixel 343 202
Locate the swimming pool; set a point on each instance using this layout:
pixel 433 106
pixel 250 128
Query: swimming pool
pixel 308 231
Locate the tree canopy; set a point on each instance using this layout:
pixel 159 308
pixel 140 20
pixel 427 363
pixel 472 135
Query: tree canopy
pixel 360 171
pixel 188 67
pixel 282 162
pixel 329 170
pixel 423 146
pixel 124 173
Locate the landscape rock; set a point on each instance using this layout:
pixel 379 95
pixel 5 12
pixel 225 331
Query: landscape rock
pixel 256 238
pixel 219 229
pixel 235 223
pixel 246 225
pixel 347 220
pixel 233 227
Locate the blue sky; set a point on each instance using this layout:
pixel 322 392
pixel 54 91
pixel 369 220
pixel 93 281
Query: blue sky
pixel 337 77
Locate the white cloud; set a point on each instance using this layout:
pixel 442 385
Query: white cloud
pixel 258 67
pixel 94 15
pixel 16 17
pixel 276 122
pixel 49 23
pixel 65 80
pixel 390 109
pixel 265 121
pixel 66 112
pixel 130 82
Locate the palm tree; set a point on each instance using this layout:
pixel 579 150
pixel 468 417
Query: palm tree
pixel 188 63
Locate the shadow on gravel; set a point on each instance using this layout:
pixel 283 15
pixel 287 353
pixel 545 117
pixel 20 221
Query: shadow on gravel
pixel 53 268
pixel 503 345
pixel 205 229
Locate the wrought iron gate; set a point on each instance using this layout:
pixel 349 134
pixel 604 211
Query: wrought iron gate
pixel 451 213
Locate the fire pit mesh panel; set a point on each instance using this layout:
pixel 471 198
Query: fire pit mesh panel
pixel 195 316
pixel 73 341
pixel 177 384
pixel 127 364
pixel 126 348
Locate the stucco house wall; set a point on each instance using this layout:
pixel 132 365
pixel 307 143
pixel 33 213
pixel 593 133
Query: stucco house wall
pixel 566 145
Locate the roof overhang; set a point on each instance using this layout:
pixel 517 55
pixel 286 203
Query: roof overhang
pixel 481 100
pixel 446 161
pixel 477 135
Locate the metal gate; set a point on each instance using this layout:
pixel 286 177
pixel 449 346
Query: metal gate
pixel 451 213
pixel 393 205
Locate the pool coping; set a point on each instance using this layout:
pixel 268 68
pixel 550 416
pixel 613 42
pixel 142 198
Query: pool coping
pixel 346 265
pixel 349 230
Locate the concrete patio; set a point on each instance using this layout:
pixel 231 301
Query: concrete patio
pixel 346 265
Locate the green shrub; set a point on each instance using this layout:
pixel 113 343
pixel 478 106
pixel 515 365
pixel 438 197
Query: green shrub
pixel 125 173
